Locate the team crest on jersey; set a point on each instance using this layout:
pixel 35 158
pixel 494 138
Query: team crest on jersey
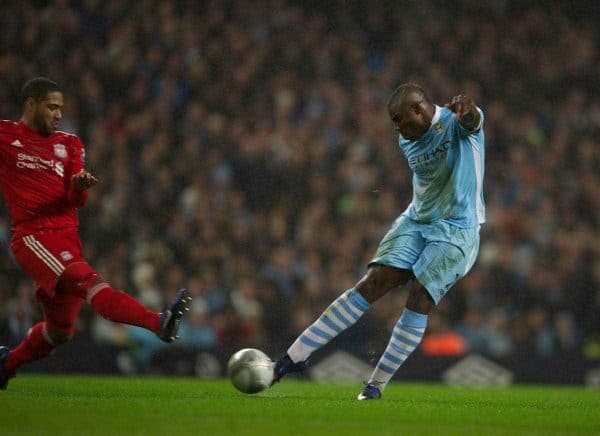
pixel 437 127
pixel 66 256
pixel 60 151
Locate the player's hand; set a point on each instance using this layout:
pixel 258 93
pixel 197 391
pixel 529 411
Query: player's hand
pixel 465 111
pixel 83 180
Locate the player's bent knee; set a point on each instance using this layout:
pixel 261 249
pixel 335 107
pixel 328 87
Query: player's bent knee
pixel 77 279
pixel 59 337
pixel 379 280
pixel 419 300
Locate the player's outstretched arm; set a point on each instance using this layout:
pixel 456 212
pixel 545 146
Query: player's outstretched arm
pixel 466 111
pixel 83 180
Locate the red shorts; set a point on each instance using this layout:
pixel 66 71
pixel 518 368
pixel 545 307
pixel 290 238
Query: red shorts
pixel 45 256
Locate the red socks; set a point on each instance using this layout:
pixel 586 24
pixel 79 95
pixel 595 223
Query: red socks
pixel 33 347
pixel 119 307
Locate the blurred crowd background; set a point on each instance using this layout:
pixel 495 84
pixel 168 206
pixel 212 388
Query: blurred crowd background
pixel 244 151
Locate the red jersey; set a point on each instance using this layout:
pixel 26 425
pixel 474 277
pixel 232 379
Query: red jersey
pixel 35 178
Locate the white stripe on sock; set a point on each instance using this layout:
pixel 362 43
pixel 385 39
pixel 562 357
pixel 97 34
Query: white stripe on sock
pixel 396 353
pixel 94 290
pixel 356 312
pixel 408 335
pixel 318 339
pixel 334 319
pixel 325 328
pixel 300 351
pixel 407 347
pixel 380 376
pixel 348 315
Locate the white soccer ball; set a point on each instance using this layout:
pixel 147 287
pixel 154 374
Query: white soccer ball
pixel 250 370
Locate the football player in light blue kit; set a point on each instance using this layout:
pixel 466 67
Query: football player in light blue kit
pixel 433 243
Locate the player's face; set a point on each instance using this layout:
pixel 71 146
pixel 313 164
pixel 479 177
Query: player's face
pixel 409 120
pixel 48 113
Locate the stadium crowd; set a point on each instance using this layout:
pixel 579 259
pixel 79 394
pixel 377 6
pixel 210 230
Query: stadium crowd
pixel 244 150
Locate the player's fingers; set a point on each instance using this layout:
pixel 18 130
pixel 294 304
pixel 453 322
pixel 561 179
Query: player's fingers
pixel 466 108
pixel 455 105
pixel 456 108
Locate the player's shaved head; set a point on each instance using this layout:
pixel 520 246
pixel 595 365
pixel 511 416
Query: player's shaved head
pixel 410 110
pixel 408 93
pixel 38 89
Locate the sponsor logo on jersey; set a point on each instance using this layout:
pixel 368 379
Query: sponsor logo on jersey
pixel 60 151
pixel 429 157
pixel 17 143
pixel 27 161
pixel 66 256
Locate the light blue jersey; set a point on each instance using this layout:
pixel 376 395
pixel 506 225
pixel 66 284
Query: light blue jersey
pixel 447 164
pixel 437 236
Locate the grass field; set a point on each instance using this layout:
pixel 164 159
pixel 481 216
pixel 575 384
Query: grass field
pixel 111 406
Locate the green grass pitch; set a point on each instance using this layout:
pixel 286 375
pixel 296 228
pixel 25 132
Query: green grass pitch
pixel 111 406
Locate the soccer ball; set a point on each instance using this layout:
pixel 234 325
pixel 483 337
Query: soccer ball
pixel 250 370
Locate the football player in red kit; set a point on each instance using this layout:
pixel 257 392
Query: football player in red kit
pixel 43 182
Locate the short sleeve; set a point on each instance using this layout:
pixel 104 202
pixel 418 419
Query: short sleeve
pixel 76 197
pixel 77 156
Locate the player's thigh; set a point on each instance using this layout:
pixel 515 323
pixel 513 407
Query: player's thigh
pixel 401 246
pixel 45 256
pixel 443 263
pixel 36 255
pixel 61 312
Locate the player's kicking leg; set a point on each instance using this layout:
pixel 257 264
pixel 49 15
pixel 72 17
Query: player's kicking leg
pixel 341 314
pixel 119 307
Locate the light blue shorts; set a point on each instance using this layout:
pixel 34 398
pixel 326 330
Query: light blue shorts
pixel 437 253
